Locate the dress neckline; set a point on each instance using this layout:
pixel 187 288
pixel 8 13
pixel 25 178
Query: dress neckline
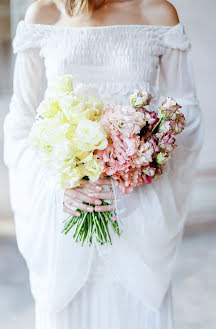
pixel 101 27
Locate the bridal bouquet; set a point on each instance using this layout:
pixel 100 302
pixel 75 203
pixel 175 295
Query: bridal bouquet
pixel 81 137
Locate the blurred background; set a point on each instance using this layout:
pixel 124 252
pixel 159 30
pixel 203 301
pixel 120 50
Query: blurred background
pixel 194 279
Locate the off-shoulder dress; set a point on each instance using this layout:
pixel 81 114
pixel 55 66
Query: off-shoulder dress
pixel 127 285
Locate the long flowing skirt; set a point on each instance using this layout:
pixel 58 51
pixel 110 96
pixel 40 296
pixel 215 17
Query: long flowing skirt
pixel 104 304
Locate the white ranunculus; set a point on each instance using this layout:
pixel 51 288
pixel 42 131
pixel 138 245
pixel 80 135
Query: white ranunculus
pixel 49 131
pixel 48 108
pixel 90 136
pixel 63 85
pixel 73 108
pixel 93 169
pixel 71 179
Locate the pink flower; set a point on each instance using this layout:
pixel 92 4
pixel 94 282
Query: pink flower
pixel 167 126
pixel 158 173
pixel 162 158
pixel 168 107
pixel 180 122
pixel 153 140
pixel 125 146
pixel 123 119
pixel 148 174
pixel 127 181
pixel 144 154
pixel 167 142
pixel 147 179
pixel 140 98
pixel 151 117
pixel 149 171
pixel 129 158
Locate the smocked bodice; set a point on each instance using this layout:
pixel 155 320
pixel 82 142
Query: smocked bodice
pixel 113 59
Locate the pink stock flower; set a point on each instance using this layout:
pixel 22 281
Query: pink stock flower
pixel 125 145
pixel 167 142
pixel 149 171
pixel 127 181
pixel 144 154
pixel 168 107
pixel 158 173
pixel 162 158
pixel 151 117
pixel 180 122
pixel 147 179
pixel 167 126
pixel 153 140
pixel 140 98
pixel 124 119
pixel 131 158
pixel 148 174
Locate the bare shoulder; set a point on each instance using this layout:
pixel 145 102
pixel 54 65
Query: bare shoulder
pixel 161 12
pixel 42 12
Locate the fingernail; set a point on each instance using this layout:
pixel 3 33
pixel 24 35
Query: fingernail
pixel 77 214
pixel 99 188
pixel 91 194
pixel 98 202
pixel 90 209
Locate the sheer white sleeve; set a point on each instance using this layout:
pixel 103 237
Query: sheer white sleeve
pixel 153 216
pixel 54 261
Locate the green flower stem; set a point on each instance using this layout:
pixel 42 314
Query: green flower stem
pixel 77 227
pixel 101 229
pixel 65 220
pixel 89 228
pixel 104 222
pixel 89 224
pixel 96 229
pixel 69 225
pixel 151 132
pixel 85 232
pixel 80 226
pixel 115 228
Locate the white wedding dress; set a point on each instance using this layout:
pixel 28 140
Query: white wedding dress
pixel 127 285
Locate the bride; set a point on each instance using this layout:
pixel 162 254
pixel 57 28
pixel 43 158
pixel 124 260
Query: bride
pixel 112 46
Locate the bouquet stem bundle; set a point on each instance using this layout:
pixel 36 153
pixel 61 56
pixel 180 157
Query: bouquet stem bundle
pixel 89 224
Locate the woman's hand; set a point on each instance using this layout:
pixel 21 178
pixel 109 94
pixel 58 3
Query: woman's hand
pixel 88 192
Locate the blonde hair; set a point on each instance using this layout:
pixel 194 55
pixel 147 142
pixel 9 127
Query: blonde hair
pixel 74 7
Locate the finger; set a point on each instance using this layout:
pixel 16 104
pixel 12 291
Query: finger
pixel 109 207
pixel 83 206
pixel 102 195
pixel 104 181
pixel 75 194
pixel 70 211
pixel 90 185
